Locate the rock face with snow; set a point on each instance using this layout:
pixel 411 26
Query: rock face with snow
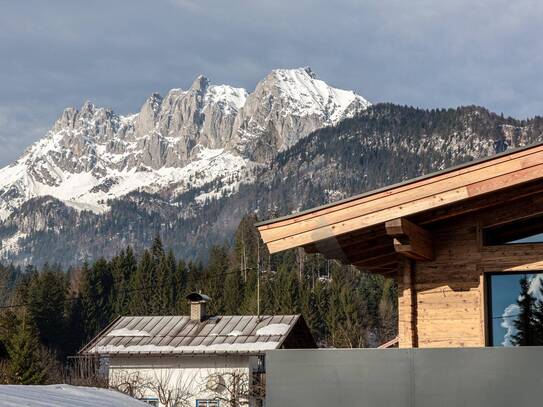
pixel 187 139
pixel 288 104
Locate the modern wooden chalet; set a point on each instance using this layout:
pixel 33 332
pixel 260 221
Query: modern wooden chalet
pixel 443 237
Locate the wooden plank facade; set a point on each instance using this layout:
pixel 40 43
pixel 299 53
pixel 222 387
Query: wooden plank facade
pixel 428 235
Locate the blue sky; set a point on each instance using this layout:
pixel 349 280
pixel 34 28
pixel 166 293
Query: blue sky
pixel 420 52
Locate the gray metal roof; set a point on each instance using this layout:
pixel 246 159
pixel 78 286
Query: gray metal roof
pixel 165 335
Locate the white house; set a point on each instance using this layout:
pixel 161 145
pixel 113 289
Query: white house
pixel 196 360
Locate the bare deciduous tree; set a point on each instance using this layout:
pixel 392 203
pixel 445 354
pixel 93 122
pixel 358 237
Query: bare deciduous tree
pixel 131 383
pixel 171 387
pixel 173 390
pixel 85 371
pixel 234 388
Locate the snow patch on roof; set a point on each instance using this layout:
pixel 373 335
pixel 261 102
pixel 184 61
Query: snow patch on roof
pixel 215 348
pixel 273 329
pixel 128 332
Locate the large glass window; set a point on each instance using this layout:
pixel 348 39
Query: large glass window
pixel 515 305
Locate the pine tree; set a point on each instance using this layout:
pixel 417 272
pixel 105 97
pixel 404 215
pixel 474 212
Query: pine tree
pixel 216 274
pixel 321 306
pixel 538 316
pixel 46 300
pixel 123 268
pixel 524 322
pixel 181 282
pixel 76 333
pixel 166 291
pixel 157 250
pixel 144 280
pixel 25 366
pixel 388 312
pixel 233 292
pixel 96 293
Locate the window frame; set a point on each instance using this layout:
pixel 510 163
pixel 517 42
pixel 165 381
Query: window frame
pixel 487 300
pixel 200 403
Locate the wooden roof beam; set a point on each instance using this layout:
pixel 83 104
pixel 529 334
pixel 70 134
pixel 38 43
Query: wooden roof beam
pixel 410 240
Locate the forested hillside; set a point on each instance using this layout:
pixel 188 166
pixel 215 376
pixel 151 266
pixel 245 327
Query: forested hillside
pixel 384 144
pixel 50 313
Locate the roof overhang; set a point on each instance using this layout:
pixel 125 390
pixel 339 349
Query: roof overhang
pixel 361 220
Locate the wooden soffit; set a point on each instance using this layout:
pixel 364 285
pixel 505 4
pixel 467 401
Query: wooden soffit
pixel 431 192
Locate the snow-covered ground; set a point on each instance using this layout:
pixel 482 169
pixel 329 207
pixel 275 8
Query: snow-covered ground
pixel 63 395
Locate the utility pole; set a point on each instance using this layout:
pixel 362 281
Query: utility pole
pixel 243 257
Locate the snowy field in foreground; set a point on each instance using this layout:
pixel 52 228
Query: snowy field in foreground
pixel 63 395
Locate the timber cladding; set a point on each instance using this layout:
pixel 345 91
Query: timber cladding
pixel 447 307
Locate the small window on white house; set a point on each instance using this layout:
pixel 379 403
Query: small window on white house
pixel 207 403
pixel 522 231
pixel 152 401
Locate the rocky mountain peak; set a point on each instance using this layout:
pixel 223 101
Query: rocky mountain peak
pixel 200 84
pixel 310 72
pixel 87 107
pixel 213 135
pixel 287 105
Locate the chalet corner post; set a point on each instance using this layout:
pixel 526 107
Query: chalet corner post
pixel 407 305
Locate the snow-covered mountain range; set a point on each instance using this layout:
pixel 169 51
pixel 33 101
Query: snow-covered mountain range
pixel 190 165
pixel 210 137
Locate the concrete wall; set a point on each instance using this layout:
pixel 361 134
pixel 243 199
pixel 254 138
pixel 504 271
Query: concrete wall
pixel 405 377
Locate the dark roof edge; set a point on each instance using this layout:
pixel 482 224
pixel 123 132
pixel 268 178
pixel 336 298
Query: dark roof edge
pixel 83 350
pixel 289 331
pixel 399 184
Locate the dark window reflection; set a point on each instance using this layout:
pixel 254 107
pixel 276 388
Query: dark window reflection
pixel 529 230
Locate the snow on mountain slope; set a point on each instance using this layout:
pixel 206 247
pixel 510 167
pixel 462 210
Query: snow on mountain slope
pixel 88 191
pixel 311 96
pixel 207 135
pixel 287 105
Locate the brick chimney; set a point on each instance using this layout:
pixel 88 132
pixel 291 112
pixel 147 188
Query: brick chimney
pixel 198 303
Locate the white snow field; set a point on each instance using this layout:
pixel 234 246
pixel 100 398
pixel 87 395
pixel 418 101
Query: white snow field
pixel 63 395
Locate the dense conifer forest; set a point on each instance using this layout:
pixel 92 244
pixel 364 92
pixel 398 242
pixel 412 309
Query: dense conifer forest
pixel 48 314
